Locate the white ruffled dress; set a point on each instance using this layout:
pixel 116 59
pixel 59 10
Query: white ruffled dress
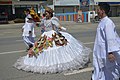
pixel 71 56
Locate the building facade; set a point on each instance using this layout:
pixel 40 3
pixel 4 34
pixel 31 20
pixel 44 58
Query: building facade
pixel 66 6
pixel 16 8
pixel 115 6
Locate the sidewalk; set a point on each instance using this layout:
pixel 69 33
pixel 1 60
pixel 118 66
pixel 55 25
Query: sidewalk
pixel 115 19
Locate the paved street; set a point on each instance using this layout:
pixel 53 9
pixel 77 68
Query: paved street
pixel 12 47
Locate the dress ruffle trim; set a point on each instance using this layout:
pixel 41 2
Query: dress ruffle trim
pixel 78 62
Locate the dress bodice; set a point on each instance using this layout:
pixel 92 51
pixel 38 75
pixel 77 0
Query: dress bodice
pixel 50 24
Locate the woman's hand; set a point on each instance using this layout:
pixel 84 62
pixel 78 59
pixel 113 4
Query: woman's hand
pixel 22 30
pixel 59 29
pixel 63 28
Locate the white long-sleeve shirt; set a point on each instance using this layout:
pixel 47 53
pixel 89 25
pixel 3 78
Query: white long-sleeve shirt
pixel 28 27
pixel 106 41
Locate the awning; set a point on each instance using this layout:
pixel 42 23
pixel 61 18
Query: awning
pixel 26 2
pixel 66 2
pixel 106 0
pixel 6 2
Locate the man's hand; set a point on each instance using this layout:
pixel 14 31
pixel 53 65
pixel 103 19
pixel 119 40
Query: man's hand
pixel 63 28
pixel 111 57
pixel 22 29
pixel 30 33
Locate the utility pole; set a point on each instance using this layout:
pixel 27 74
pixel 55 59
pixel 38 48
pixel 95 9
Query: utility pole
pixel 80 4
pixel 54 7
pixel 53 4
pixel 89 4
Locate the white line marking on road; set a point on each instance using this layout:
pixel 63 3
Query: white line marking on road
pixel 19 40
pixel 8 32
pixel 89 43
pixel 79 71
pixel 12 52
pixel 1 34
pixel 24 50
pixel 11 24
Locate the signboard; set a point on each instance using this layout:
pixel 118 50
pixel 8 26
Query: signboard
pixel 84 2
pixel 107 0
pixel 32 0
pixel 66 2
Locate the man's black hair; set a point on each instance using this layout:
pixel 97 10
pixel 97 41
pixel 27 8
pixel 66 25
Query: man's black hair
pixel 27 10
pixel 105 6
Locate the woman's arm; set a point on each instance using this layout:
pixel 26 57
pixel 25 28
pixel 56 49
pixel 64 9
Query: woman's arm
pixel 57 24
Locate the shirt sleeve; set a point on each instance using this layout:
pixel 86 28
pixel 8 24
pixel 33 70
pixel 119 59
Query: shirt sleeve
pixel 111 42
pixel 29 28
pixel 23 26
pixel 55 22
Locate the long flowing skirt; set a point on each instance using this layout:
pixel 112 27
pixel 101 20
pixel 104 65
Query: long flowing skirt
pixel 57 58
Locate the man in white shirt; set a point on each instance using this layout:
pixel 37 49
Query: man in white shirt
pixel 28 32
pixel 106 53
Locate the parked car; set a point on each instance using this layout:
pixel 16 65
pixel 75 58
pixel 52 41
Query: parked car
pixel 94 16
pixel 3 17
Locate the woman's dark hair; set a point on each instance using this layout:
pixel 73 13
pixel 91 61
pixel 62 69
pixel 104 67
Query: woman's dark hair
pixel 51 14
pixel 44 14
pixel 104 6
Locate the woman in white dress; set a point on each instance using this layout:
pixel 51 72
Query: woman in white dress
pixel 55 51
